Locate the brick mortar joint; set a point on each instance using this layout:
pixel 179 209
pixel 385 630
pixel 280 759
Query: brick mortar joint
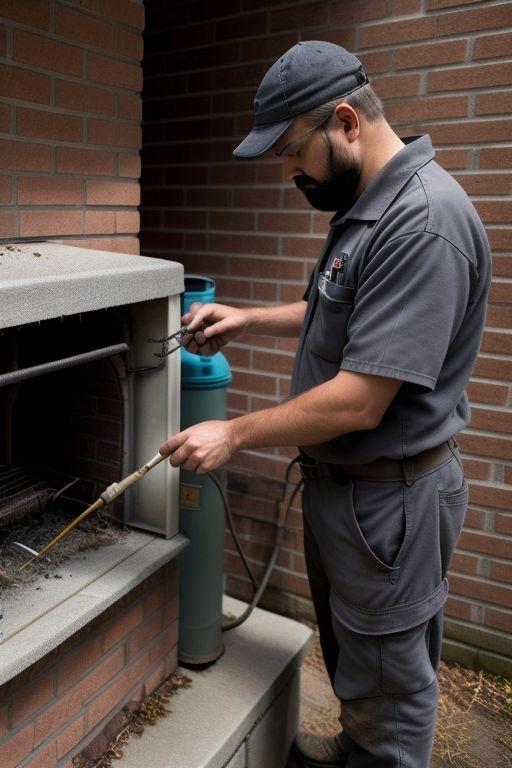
pixel 131 663
pixel 97 728
pixel 127 664
pixel 100 630
pixel 57 37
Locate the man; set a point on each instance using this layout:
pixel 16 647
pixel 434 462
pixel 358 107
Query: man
pixel 389 328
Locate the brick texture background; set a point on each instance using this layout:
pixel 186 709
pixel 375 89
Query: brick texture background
pixel 70 110
pixel 86 441
pixel 442 67
pixel 50 711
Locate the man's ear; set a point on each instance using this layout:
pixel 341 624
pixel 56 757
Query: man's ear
pixel 348 118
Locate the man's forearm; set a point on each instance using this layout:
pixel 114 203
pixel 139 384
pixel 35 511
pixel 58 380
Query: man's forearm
pixel 348 403
pixel 320 414
pixel 283 320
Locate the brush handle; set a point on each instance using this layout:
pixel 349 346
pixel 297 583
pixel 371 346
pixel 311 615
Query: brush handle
pixel 116 489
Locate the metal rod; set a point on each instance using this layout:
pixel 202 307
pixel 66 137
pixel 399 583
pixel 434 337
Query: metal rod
pixel 27 549
pixel 57 365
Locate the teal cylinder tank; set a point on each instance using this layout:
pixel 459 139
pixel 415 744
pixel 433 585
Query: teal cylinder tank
pixel 203 397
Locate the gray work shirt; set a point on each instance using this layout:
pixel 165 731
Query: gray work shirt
pixel 412 305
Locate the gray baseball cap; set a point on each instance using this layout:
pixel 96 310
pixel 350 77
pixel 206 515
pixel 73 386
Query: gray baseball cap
pixel 311 73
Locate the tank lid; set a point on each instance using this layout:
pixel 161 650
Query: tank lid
pixel 198 283
pixel 204 372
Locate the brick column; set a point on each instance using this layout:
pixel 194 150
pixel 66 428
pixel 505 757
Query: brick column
pixel 70 111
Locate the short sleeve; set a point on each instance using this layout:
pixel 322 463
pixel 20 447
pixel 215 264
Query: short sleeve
pixel 307 292
pixel 410 303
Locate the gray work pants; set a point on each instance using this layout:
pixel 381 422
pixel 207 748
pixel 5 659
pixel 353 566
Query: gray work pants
pixel 377 553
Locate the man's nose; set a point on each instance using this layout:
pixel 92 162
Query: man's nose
pixel 290 169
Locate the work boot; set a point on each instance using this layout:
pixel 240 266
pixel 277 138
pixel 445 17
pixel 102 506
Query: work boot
pixel 314 751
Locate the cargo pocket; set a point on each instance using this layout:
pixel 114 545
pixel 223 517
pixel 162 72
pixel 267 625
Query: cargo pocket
pixel 327 335
pixel 378 665
pixel 405 657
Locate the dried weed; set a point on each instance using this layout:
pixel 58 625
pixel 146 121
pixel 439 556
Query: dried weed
pixel 152 709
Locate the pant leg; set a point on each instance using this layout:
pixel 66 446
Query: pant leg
pixel 435 639
pixel 386 683
pixel 393 730
pixel 371 733
pixel 388 713
pixel 320 591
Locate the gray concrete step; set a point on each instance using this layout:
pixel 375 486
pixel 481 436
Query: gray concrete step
pixel 242 712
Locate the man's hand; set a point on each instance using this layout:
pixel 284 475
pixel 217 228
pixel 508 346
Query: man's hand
pixel 219 324
pixel 202 447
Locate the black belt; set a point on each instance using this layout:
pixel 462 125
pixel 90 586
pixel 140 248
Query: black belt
pixel 383 468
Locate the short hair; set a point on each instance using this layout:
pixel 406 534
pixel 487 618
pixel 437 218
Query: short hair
pixel 364 101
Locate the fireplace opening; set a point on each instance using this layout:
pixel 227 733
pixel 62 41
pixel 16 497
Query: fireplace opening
pixel 65 411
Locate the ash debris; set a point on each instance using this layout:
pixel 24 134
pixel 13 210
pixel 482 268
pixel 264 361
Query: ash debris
pixel 37 529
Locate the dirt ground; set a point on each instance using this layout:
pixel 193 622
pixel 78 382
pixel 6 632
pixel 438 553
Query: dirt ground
pixel 474 725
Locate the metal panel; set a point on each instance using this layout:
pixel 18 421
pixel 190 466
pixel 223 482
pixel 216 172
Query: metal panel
pixel 156 414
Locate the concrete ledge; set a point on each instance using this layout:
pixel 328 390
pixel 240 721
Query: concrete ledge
pixel 494 640
pixel 41 280
pixel 242 712
pixel 40 616
pixel 476 658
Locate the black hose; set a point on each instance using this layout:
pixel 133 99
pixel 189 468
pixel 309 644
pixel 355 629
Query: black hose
pixel 284 509
pixel 231 524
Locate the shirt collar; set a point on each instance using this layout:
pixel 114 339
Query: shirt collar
pixel 384 187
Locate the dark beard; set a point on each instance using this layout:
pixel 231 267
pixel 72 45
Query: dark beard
pixel 338 191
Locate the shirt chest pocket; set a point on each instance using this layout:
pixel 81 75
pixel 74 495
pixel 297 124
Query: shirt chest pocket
pixel 327 334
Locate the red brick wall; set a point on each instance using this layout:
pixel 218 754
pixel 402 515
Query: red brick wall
pixel 70 110
pixel 442 67
pixel 86 439
pixel 49 712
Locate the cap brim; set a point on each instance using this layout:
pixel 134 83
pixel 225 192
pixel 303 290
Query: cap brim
pixel 261 138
